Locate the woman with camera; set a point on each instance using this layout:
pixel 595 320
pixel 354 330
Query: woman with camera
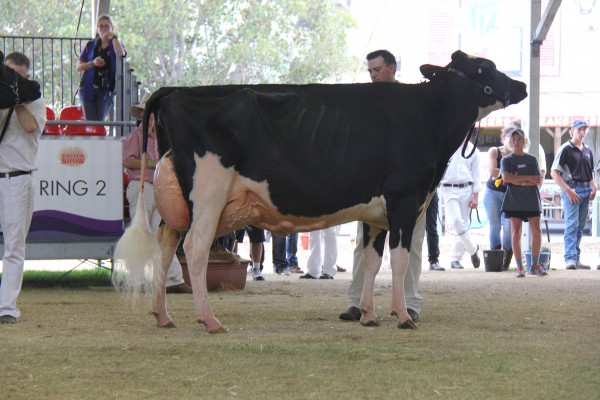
pixel 98 62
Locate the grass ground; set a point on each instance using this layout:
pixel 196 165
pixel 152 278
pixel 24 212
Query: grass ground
pixel 481 336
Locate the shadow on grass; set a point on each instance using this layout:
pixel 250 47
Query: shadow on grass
pixel 82 279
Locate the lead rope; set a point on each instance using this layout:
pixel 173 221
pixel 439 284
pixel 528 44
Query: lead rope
pixel 468 227
pixel 6 121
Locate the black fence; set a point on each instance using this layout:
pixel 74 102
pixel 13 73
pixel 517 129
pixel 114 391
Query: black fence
pixel 53 62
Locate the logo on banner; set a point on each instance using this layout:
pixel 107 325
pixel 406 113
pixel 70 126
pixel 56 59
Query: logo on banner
pixel 72 156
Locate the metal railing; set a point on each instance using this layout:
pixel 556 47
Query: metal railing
pixel 53 63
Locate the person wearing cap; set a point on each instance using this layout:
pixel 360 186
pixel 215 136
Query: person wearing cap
pixel 132 154
pixel 572 170
pixel 521 175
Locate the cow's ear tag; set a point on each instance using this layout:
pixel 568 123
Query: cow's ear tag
pixel 479 71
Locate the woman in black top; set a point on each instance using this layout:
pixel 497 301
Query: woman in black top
pixel 492 199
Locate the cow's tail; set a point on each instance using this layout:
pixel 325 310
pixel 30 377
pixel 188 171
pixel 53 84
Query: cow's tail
pixel 137 255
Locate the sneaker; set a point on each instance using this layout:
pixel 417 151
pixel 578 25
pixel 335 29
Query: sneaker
pixel 571 264
pixel 520 273
pixel 579 265
pixel 475 260
pixel 257 275
pixel 456 265
pixel 435 266
pixel 539 270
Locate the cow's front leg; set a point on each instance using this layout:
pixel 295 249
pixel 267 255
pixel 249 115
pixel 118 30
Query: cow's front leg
pixel 374 240
pixel 399 260
pixel 168 240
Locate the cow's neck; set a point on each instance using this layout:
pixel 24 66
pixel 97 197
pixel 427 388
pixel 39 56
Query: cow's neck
pixel 455 106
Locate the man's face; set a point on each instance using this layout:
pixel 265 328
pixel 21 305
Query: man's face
pixel 380 72
pixel 21 69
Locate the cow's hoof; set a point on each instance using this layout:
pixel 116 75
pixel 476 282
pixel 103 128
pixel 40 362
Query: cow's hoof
pixel 218 328
pixel 167 324
pixel 408 324
pixel 370 323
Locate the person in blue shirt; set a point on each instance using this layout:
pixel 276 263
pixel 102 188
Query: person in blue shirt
pixel 98 62
pixel 572 170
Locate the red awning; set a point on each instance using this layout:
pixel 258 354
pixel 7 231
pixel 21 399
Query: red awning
pixel 556 110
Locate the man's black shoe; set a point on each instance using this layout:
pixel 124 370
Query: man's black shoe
pixel 9 319
pixel 413 314
pixel 307 276
pixel 351 314
pixel 475 258
pixel 325 276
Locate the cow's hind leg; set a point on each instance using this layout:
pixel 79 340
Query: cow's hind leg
pixel 168 240
pixel 197 248
pixel 209 195
pixel 374 241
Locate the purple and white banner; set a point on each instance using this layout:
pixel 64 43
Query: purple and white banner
pixel 78 188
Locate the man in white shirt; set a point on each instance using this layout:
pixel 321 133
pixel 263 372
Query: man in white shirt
pixel 18 150
pixel 460 192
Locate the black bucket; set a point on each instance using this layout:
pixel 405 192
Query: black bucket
pixel 492 260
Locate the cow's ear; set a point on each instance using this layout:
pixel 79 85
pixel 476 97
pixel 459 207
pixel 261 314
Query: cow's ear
pixel 459 55
pixel 429 70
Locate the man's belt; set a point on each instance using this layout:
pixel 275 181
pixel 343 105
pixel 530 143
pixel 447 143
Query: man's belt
pixel 12 174
pixel 579 184
pixel 457 185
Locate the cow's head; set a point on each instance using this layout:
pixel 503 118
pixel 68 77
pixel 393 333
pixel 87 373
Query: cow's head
pixel 15 89
pixel 495 89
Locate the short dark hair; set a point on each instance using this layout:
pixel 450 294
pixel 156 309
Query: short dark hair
pixel 18 59
pixel 388 57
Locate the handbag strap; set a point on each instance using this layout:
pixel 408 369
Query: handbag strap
pixel 6 121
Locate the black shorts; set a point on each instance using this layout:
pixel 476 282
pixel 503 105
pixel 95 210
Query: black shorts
pixel 524 215
pixel 256 235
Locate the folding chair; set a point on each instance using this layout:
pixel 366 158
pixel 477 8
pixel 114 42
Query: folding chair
pixel 51 130
pixel 75 113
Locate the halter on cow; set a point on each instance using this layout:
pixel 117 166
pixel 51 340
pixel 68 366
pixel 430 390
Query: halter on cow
pixel 293 158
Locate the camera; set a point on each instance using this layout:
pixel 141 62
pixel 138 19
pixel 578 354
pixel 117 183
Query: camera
pixel 104 79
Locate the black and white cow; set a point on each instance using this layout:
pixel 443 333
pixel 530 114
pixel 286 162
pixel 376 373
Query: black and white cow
pixel 15 89
pixel 299 158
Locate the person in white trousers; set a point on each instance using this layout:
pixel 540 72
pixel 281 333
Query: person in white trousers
pixel 460 191
pixel 17 161
pixel 323 254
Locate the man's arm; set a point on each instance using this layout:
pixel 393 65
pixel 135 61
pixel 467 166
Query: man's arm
pixel 26 119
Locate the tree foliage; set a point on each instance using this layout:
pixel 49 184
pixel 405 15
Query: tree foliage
pixel 207 42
